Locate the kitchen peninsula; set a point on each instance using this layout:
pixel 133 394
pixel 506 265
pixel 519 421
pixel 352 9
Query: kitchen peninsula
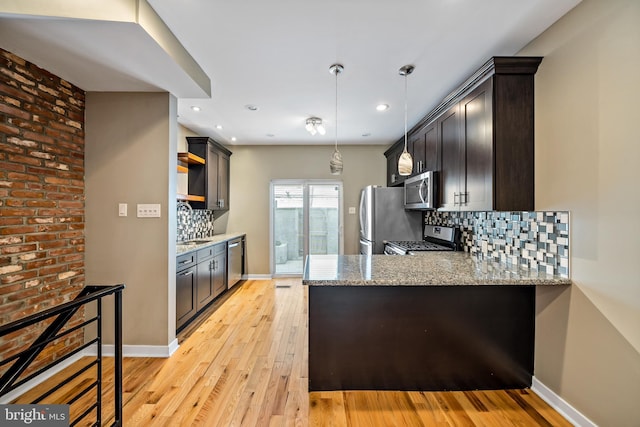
pixel 436 321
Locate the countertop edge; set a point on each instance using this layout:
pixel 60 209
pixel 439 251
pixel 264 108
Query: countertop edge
pixel 379 283
pixel 213 240
pixel 431 269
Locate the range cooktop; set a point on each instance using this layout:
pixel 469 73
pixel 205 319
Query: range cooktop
pixel 437 238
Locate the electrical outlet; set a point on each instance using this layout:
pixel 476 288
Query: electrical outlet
pixel 148 210
pixel 122 209
pixel 352 210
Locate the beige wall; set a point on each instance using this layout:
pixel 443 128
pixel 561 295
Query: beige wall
pixel 587 161
pixel 253 167
pixel 130 158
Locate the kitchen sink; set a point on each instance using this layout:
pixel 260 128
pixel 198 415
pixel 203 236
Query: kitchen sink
pixel 193 242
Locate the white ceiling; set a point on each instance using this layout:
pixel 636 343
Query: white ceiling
pixel 276 55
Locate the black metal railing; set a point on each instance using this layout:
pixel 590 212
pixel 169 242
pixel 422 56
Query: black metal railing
pixel 62 314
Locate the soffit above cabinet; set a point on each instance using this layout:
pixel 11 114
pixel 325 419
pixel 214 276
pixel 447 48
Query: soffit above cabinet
pixel 106 46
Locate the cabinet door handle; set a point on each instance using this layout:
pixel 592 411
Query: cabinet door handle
pixel 187 261
pixel 187 273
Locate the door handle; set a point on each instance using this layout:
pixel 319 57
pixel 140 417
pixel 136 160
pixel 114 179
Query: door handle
pixel 188 273
pixel 420 191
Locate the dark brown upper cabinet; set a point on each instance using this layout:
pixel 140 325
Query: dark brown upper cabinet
pixel 393 155
pixel 210 179
pixel 480 139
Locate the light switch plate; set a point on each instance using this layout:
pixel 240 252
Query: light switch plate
pixel 151 210
pixel 352 210
pixel 122 209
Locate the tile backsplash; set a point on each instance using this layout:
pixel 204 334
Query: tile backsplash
pixel 533 240
pixel 194 224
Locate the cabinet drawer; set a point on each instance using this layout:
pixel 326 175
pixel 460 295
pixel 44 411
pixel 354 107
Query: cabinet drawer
pixel 210 251
pixel 185 261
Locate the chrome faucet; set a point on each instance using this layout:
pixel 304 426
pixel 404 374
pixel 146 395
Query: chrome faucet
pixel 184 206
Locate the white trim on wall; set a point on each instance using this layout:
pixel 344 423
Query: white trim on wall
pixel 257 277
pixel 7 398
pixel 164 351
pixel 561 406
pixel 107 351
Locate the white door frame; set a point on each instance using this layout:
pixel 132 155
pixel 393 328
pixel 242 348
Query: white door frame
pixel 305 206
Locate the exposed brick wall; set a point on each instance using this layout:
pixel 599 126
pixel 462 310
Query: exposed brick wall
pixel 41 196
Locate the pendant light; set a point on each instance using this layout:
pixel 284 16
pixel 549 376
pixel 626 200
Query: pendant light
pixel 405 163
pixel 335 164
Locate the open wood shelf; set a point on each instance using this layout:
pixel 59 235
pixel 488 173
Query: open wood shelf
pixel 190 198
pixel 190 158
pixel 185 159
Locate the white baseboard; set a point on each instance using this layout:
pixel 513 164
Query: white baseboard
pixel 107 350
pixel 41 378
pixel 256 277
pixel 138 350
pixel 572 415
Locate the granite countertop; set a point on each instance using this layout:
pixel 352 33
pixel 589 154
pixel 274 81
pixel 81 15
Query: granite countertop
pixel 206 241
pixel 426 269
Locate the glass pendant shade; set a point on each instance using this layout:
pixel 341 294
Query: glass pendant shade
pixel 405 162
pixel 335 164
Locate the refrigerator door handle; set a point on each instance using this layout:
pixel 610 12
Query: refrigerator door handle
pixel 361 213
pixel 368 245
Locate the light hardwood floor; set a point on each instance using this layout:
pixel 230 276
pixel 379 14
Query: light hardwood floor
pixel 245 363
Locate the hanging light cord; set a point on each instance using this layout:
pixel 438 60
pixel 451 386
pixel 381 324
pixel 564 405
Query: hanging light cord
pixel 405 111
pixel 337 72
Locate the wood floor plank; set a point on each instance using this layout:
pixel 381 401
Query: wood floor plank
pixel 244 362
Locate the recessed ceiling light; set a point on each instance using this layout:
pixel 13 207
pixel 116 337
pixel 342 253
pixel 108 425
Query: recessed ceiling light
pixel 382 107
pixel 233 138
pixel 195 108
pixel 251 107
pixel 218 127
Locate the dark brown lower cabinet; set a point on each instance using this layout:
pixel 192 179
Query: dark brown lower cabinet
pixel 202 276
pixel 421 337
pixel 185 289
pixel 204 283
pixel 220 272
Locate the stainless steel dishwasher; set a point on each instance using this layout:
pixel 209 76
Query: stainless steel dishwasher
pixel 235 257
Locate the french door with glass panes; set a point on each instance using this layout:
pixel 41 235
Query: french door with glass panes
pixel 306 218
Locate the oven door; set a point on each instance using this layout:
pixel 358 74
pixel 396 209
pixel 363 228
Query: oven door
pixel 393 250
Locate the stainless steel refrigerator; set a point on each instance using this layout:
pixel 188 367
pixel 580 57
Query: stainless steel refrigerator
pixel 382 217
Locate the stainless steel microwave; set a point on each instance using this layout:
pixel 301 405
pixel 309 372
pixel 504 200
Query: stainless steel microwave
pixel 419 191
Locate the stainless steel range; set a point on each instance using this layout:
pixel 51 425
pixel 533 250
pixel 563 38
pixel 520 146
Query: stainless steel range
pixel 436 238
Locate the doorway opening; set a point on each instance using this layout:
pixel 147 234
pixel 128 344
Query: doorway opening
pixel 306 218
